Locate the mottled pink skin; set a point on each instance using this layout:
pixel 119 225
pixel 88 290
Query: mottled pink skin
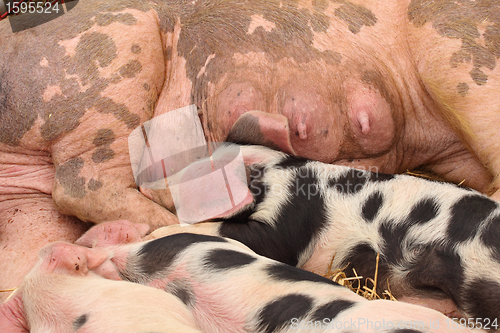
pixel 366 83
pixel 71 281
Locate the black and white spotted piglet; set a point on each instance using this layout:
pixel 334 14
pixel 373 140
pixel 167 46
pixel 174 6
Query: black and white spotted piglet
pixel 229 288
pixel 439 244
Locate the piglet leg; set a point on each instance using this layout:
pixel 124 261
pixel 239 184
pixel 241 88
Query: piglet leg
pixel 12 317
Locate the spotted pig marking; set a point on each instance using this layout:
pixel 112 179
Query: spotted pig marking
pixel 67 175
pixel 225 32
pixel 436 240
pixel 104 138
pixel 80 322
pixel 475 23
pixel 107 19
pixel 229 288
pixel 356 16
pixel 93 51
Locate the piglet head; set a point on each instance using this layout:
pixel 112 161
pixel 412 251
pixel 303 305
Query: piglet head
pixel 71 259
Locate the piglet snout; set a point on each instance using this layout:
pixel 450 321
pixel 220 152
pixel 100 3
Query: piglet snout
pixel 72 259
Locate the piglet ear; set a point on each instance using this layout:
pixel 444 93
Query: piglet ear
pixel 112 233
pixel 12 317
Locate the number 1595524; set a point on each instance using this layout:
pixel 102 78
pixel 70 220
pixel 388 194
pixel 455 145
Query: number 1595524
pixel 32 7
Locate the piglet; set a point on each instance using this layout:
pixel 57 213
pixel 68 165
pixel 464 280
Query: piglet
pixel 62 294
pixel 439 244
pixel 229 288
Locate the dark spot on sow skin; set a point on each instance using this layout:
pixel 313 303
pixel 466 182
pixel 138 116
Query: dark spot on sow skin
pixel 104 137
pixel 460 57
pixel 492 38
pixel 168 53
pixel 356 16
pixel 94 185
pixel 102 155
pixel 106 105
pixel 478 76
pixel 13 125
pixel 320 22
pixel 332 57
pixel 130 69
pixel 67 176
pixel 94 49
pixel 461 20
pixel 463 89
pixel 135 49
pixel 320 5
pixel 107 18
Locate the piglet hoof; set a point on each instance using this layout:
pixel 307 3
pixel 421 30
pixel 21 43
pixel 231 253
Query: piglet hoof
pixel 112 233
